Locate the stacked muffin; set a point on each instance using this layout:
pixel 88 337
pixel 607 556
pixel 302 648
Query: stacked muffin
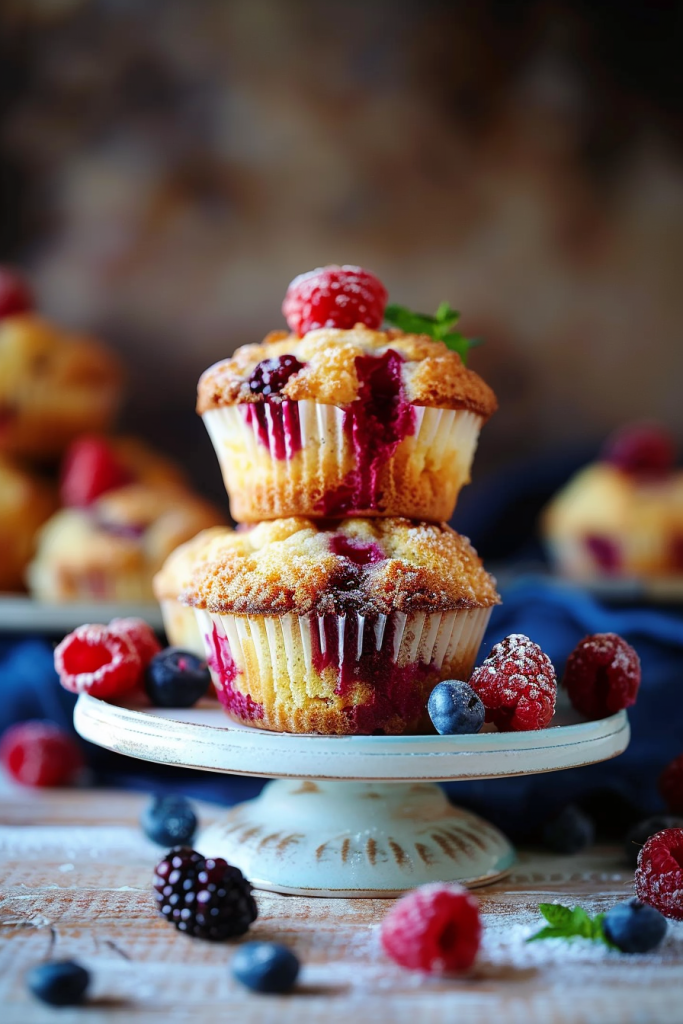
pixel 342 598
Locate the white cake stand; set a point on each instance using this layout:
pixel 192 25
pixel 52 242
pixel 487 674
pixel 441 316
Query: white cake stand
pixel 349 816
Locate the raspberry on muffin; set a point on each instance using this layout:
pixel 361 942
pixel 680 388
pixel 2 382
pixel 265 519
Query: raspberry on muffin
pixel 339 627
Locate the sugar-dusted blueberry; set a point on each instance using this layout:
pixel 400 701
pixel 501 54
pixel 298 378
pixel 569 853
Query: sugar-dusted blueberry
pixel 58 982
pixel 634 927
pixel 265 967
pixel 169 821
pixel 570 831
pixel 176 679
pixel 455 708
pixel 270 376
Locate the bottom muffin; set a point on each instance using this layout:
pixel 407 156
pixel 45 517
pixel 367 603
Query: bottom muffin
pixel 339 628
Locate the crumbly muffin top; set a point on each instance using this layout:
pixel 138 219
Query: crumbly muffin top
pixel 373 566
pixel 432 375
pixel 178 569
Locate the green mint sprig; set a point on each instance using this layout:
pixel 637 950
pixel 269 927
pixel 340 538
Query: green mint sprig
pixel 570 923
pixel 438 326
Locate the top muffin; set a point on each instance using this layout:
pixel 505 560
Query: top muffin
pixel 338 420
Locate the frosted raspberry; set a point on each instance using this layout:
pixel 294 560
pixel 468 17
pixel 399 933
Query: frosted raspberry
pixel 671 785
pixel 642 449
pixel 15 294
pixel 97 661
pixel 141 636
pixel 659 875
pixel 435 928
pixel 517 685
pixel 40 754
pixel 334 297
pixel 602 675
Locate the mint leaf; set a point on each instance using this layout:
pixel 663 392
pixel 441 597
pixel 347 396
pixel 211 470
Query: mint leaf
pixel 437 326
pixel 570 923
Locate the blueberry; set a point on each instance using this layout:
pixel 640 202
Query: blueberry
pixel 169 821
pixel 265 967
pixel 58 982
pixel 641 832
pixel 454 707
pixel 176 679
pixel 569 831
pixel 634 927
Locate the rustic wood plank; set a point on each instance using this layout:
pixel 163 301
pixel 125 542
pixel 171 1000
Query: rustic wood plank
pixel 75 882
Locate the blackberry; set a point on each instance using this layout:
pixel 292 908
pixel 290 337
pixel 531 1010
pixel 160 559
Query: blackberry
pixel 204 897
pixel 270 376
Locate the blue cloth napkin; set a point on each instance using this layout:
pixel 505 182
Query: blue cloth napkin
pixel 554 615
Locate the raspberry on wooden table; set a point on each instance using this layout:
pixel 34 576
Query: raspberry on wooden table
pixel 602 675
pixel 95 660
pixel 38 753
pixel 90 468
pixel 517 685
pixel 15 294
pixel 435 928
pixel 659 874
pixel 334 297
pixel 671 785
pixel 140 634
pixel 204 897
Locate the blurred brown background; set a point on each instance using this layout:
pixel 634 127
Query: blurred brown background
pixel 167 167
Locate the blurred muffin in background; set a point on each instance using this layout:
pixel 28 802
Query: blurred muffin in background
pixel 621 517
pixel 26 501
pixel 54 384
pixel 180 622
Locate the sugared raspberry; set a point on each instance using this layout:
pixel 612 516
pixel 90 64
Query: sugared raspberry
pixel 671 785
pixel 270 376
pixel 40 754
pixel 435 928
pixel 206 898
pixel 642 449
pixel 141 636
pixel 659 875
pixel 95 660
pixel 90 468
pixel 517 685
pixel 602 675
pixel 334 297
pixel 15 294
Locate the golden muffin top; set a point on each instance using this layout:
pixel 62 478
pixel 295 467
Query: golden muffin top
pixel 373 566
pixel 432 375
pixel 178 569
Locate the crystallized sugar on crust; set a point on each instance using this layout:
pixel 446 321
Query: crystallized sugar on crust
pixel 373 566
pixel 180 566
pixel 433 376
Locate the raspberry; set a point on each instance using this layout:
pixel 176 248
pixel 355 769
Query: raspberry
pixel 140 634
pixel 602 675
pixel 270 376
pixel 90 468
pixel 206 898
pixel 95 660
pixel 435 928
pixel 40 754
pixel 671 785
pixel 517 685
pixel 642 449
pixel 659 875
pixel 334 297
pixel 15 294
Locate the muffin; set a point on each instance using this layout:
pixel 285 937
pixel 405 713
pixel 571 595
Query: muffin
pixel 111 550
pixel 26 501
pixel 344 420
pixel 339 628
pixel 180 622
pixel 620 517
pixel 53 386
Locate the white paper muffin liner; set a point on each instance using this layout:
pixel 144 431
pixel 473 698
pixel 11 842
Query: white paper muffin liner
pixel 313 673
pixel 180 624
pixel 421 479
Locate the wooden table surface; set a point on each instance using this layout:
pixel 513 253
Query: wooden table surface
pixel 76 882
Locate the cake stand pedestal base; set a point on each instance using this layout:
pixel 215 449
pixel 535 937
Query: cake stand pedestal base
pixel 362 839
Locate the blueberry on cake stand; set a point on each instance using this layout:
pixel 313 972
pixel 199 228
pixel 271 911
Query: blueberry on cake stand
pixel 350 816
